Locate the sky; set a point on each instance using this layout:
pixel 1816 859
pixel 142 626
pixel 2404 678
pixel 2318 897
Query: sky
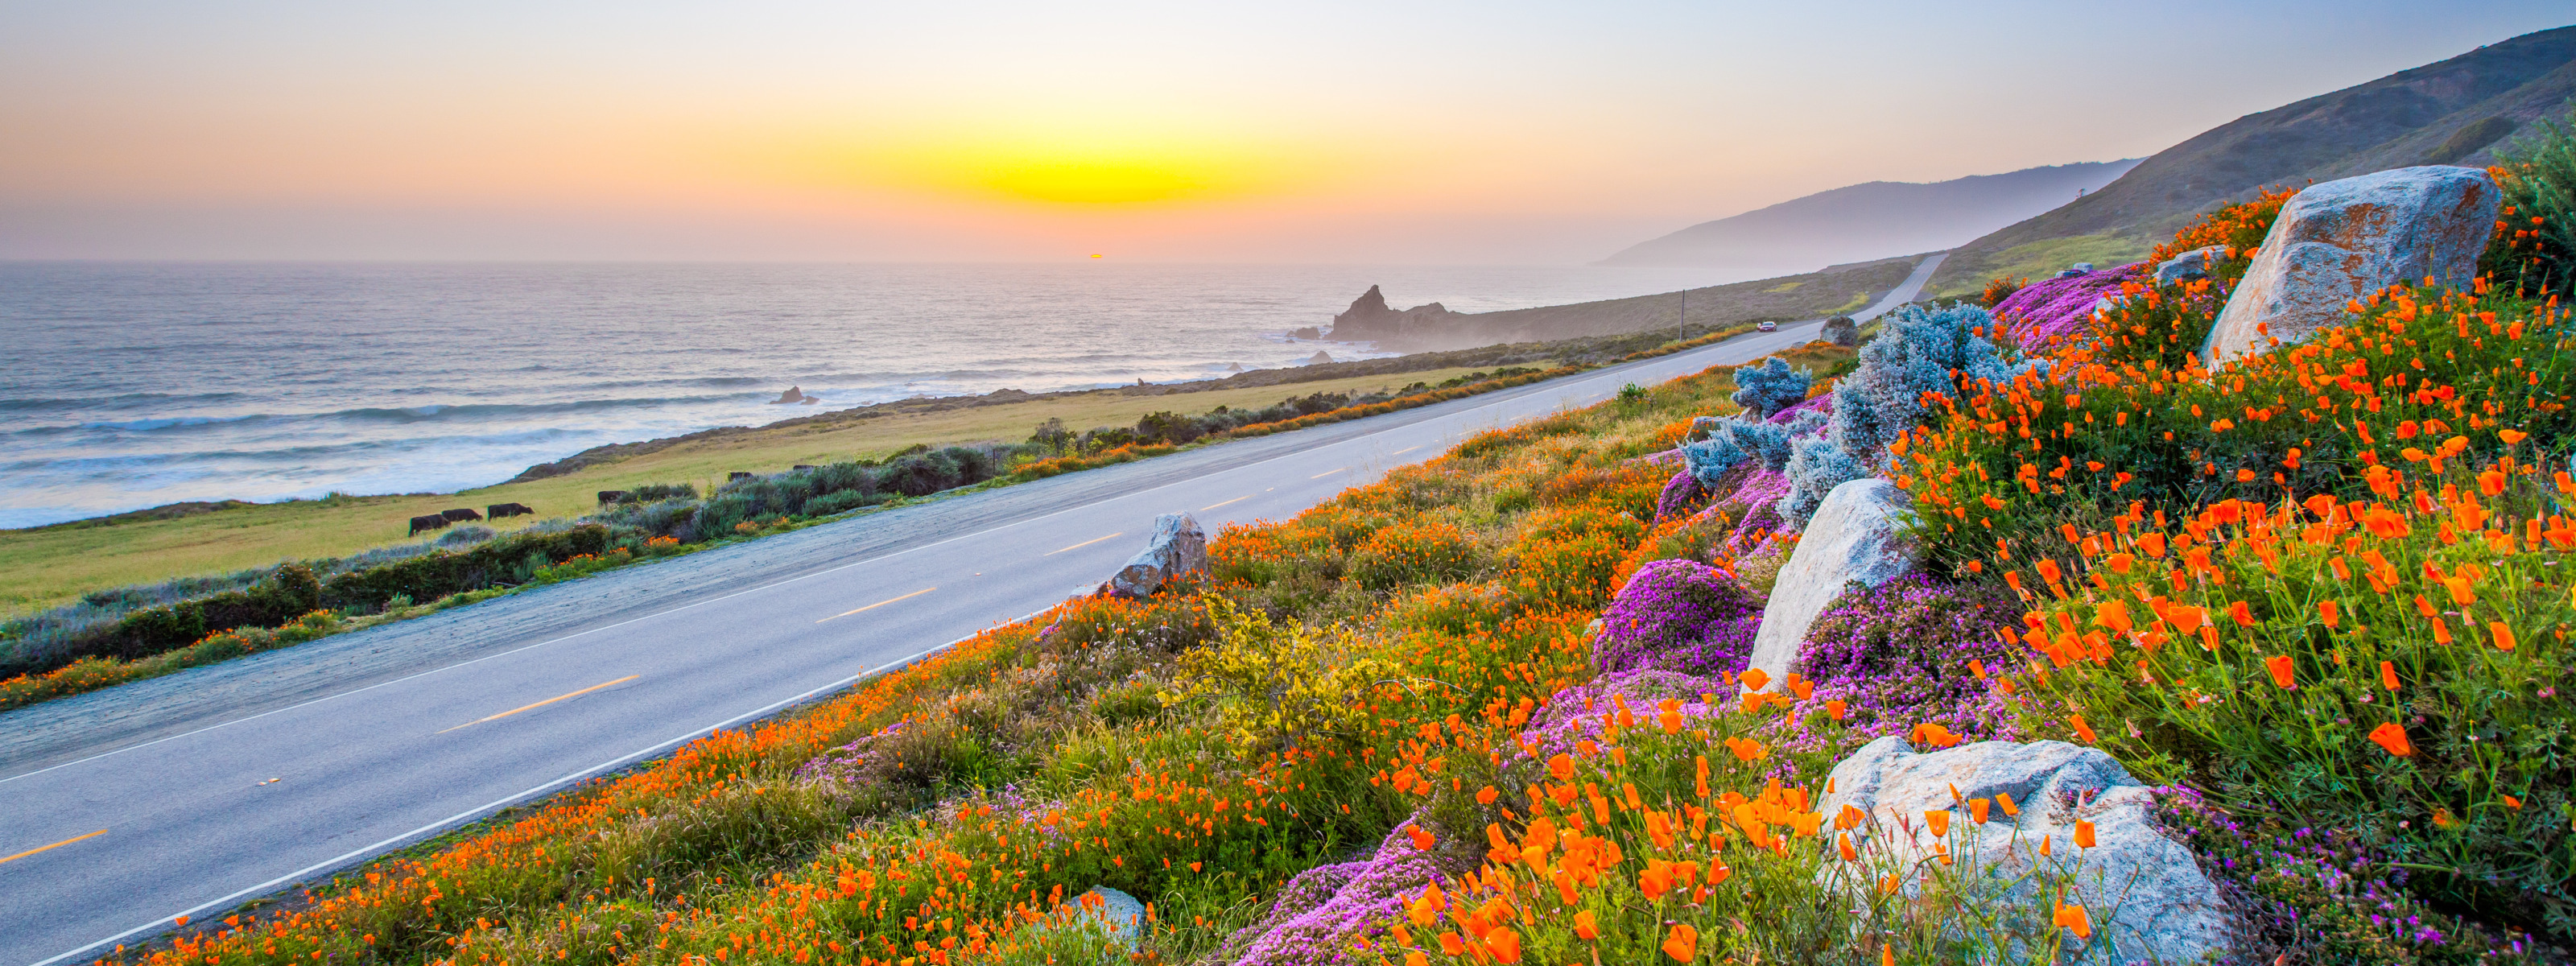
pixel 1491 132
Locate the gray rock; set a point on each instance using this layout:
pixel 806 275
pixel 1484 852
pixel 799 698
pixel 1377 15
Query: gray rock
pixel 2081 267
pixel 2342 240
pixel 1123 914
pixel 1319 358
pixel 2189 265
pixel 2148 897
pixel 1853 538
pixel 1178 547
pixel 1841 330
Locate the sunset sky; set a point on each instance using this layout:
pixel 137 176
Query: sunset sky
pixel 1487 132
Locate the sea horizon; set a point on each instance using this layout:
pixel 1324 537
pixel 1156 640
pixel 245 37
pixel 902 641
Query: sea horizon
pixel 148 382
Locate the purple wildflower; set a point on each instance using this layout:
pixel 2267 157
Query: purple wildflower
pixel 1678 615
pixel 2062 306
pixel 1320 912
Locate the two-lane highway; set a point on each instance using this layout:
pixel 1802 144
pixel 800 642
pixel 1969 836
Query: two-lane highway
pixel 183 795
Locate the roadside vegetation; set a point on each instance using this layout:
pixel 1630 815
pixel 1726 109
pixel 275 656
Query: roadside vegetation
pixel 1491 709
pixel 130 633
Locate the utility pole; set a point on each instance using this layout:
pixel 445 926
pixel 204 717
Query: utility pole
pixel 1681 325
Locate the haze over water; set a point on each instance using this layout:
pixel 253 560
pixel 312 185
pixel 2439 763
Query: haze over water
pixel 135 385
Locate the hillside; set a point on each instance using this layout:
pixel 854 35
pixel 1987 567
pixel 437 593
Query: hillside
pixel 2458 111
pixel 1838 288
pixel 1873 220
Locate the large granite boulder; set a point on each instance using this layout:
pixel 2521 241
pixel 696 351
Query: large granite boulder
pixel 2147 894
pixel 1841 330
pixel 1178 547
pixel 2343 240
pixel 1855 537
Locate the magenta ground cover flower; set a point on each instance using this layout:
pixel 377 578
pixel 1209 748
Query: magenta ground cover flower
pixel 1678 615
pixel 2062 306
pixel 1319 913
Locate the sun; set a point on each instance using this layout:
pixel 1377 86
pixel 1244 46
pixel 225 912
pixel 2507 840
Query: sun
pixel 1093 181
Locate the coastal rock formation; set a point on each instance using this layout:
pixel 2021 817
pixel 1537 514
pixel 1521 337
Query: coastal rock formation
pixel 2342 240
pixel 1369 319
pixel 1309 332
pixel 2166 909
pixel 1178 547
pixel 1320 358
pixel 1841 330
pixel 793 394
pixel 1853 538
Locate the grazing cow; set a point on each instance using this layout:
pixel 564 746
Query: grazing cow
pixel 459 515
pixel 500 511
pixel 432 521
pixel 804 466
pixel 737 477
pixel 607 497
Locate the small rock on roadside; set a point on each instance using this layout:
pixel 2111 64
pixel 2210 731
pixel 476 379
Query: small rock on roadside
pixel 1178 547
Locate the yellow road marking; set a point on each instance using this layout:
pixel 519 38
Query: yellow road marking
pixel 56 845
pixel 545 702
pixel 1212 506
pixel 881 603
pixel 1405 450
pixel 1329 472
pixel 1078 546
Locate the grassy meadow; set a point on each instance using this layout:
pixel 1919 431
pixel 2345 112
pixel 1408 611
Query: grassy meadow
pixel 44 566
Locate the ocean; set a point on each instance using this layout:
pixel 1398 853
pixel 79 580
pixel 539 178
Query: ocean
pixel 133 385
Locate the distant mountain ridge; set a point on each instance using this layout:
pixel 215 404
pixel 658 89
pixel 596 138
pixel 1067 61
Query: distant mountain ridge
pixel 1877 219
pixel 2458 111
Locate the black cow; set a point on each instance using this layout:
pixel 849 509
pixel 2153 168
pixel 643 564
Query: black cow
pixel 737 477
pixel 804 466
pixel 459 515
pixel 499 511
pixel 434 521
pixel 607 497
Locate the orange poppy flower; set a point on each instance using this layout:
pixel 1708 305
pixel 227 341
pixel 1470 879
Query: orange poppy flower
pixel 1682 944
pixel 2279 665
pixel 2393 738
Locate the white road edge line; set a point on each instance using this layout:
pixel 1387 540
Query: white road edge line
pixel 752 590
pixel 499 803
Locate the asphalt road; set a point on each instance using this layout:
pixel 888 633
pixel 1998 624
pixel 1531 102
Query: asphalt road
pixel 187 794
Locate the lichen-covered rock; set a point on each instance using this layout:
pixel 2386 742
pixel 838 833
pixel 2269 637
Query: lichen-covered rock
pixel 1840 330
pixel 1178 547
pixel 1855 537
pixel 2145 892
pixel 2342 240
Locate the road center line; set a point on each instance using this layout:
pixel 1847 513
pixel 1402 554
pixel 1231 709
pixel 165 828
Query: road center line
pixel 545 702
pixel 1078 546
pixel 56 845
pixel 878 604
pixel 1212 506
pixel 1329 472
pixel 1405 450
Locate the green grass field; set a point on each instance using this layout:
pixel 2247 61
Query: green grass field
pixel 2042 259
pixel 45 566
